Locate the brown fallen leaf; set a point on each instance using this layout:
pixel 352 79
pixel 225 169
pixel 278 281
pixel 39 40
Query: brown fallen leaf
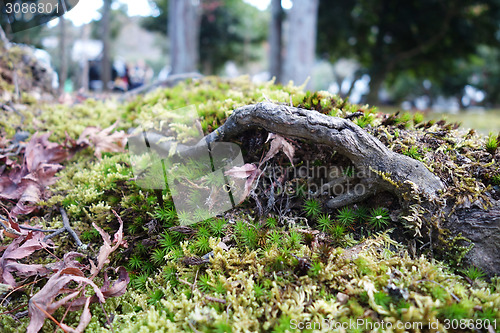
pixel 103 140
pixel 43 302
pixel 279 143
pixel 27 182
pixel 20 248
pixel 118 288
pixel 249 171
pixel 84 320
pixel 106 248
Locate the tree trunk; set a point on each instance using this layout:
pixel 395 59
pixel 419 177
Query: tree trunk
pixel 355 79
pixel 377 78
pixel 183 31
pixel 275 38
pixel 84 79
pixel 106 40
pixel 63 70
pixel 3 38
pixel 301 41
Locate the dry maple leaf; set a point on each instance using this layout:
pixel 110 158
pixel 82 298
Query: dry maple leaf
pixel 118 288
pixel 106 248
pixel 27 182
pixel 249 171
pixel 279 143
pixel 103 140
pixel 43 303
pixel 20 248
pixel 84 320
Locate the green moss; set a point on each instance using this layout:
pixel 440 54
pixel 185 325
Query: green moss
pixel 312 208
pixel 346 216
pixel 258 277
pixel 492 143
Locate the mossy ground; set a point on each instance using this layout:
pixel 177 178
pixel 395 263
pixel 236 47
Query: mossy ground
pixel 308 265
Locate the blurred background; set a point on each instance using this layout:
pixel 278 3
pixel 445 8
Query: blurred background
pixel 431 56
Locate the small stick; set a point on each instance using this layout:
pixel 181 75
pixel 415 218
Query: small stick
pixel 214 299
pixel 66 227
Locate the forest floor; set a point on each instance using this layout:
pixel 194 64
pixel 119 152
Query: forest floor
pixel 280 261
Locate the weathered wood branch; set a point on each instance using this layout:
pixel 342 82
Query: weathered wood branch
pixel 383 168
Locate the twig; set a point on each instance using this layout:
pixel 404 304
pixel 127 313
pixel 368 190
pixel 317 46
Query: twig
pixel 37 229
pixel 14 290
pixel 185 282
pixel 50 317
pixel 7 228
pixel 194 283
pixel 108 321
pixel 215 299
pixel 66 227
pixel 452 294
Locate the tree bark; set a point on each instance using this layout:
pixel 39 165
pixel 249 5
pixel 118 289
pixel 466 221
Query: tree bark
pixel 106 40
pixel 301 41
pixel 183 31
pixel 275 40
pixel 482 228
pixel 381 168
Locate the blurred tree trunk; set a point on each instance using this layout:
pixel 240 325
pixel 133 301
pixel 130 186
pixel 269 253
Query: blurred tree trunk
pixel 377 78
pixel 275 32
pixel 84 78
pixel 183 31
pixel 4 41
pixel 301 41
pixel 63 70
pixel 106 41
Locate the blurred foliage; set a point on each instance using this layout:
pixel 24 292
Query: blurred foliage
pixel 228 31
pixel 117 18
pixel 423 39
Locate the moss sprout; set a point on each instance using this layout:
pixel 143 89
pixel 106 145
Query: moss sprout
pixel 379 218
pixel 201 246
pixel 413 153
pixel 338 231
pixel 346 216
pixel 312 208
pixel 217 227
pixel 492 143
pixel 324 222
pixel 274 238
pixel 271 222
pixel 362 214
pixel 418 117
pixel 474 273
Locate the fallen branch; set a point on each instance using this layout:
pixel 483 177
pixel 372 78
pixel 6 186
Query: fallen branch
pixel 66 227
pixel 382 169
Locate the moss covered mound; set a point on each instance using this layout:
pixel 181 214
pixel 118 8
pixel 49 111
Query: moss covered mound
pixel 360 267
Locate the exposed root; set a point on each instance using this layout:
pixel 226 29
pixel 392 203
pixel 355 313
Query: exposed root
pixel 382 169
